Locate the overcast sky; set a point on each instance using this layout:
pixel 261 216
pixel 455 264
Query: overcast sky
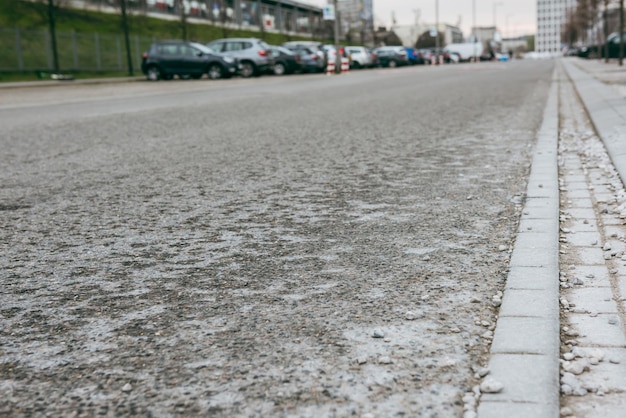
pixel 513 17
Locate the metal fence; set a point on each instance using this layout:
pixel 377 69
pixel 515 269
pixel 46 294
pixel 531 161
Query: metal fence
pixel 31 50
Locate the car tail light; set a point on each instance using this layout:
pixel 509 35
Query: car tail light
pixel 341 51
pixel 314 57
pixel 263 53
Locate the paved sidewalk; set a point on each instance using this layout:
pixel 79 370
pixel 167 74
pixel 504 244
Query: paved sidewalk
pixel 526 374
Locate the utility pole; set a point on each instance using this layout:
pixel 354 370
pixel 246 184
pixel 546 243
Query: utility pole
pixel 474 29
pixel 337 29
pixel 53 35
pixel 621 32
pixel 605 26
pixel 437 29
pixel 126 37
pixel 183 19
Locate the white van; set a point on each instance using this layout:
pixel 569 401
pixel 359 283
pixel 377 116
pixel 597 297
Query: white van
pixel 467 51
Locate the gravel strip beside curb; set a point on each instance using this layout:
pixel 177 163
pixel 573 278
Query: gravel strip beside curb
pixel 525 349
pixel 607 110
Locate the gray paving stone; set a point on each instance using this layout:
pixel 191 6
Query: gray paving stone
pixel 584 239
pixel 533 278
pixel 612 220
pixel 527 335
pixel 593 299
pixel 578 194
pixel 576 185
pixel 526 378
pixel 600 275
pixel 590 255
pixel 530 303
pixel 537 225
pixel 519 410
pixel 580 203
pixel 534 257
pixel 597 330
pixel 612 375
pixel 581 213
pixel 610 405
pixel 578 225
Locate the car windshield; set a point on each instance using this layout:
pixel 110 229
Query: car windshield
pixel 201 47
pixel 216 47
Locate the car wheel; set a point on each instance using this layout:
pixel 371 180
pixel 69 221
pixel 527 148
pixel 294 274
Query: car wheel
pixel 279 68
pixel 153 73
pixel 215 72
pixel 247 69
pixel 393 64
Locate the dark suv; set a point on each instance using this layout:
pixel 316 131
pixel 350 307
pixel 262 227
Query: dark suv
pixel 166 59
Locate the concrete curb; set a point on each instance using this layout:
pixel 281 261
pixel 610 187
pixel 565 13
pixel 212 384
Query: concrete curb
pixel 607 110
pixel 63 83
pixel 525 350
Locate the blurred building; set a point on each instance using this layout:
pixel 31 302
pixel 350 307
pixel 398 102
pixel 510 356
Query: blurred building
pixel 284 16
pixel 551 18
pixel 357 20
pixel 410 34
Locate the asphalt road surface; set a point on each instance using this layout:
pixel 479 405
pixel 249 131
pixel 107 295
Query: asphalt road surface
pixel 305 246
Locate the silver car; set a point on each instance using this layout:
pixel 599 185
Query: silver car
pixel 253 54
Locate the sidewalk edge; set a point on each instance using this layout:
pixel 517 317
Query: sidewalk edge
pixel 524 356
pixel 607 111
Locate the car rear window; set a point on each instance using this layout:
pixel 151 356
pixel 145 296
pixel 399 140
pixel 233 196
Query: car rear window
pixel 262 45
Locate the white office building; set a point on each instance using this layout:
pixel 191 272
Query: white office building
pixel 551 16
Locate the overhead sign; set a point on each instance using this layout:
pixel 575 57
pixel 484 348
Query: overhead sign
pixel 329 12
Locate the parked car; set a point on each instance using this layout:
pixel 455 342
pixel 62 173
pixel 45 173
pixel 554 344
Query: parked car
pixel 313 46
pixel 392 56
pixel 452 57
pixel 310 59
pixel 285 61
pixel 414 56
pixel 331 52
pixel 426 54
pixel 359 57
pixel 373 56
pixel 167 59
pixel 442 55
pixel 599 51
pixel 253 54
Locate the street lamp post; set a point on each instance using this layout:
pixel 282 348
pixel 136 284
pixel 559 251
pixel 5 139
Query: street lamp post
pixel 437 29
pixel 337 30
pixel 495 5
pixel 621 32
pixel 474 30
